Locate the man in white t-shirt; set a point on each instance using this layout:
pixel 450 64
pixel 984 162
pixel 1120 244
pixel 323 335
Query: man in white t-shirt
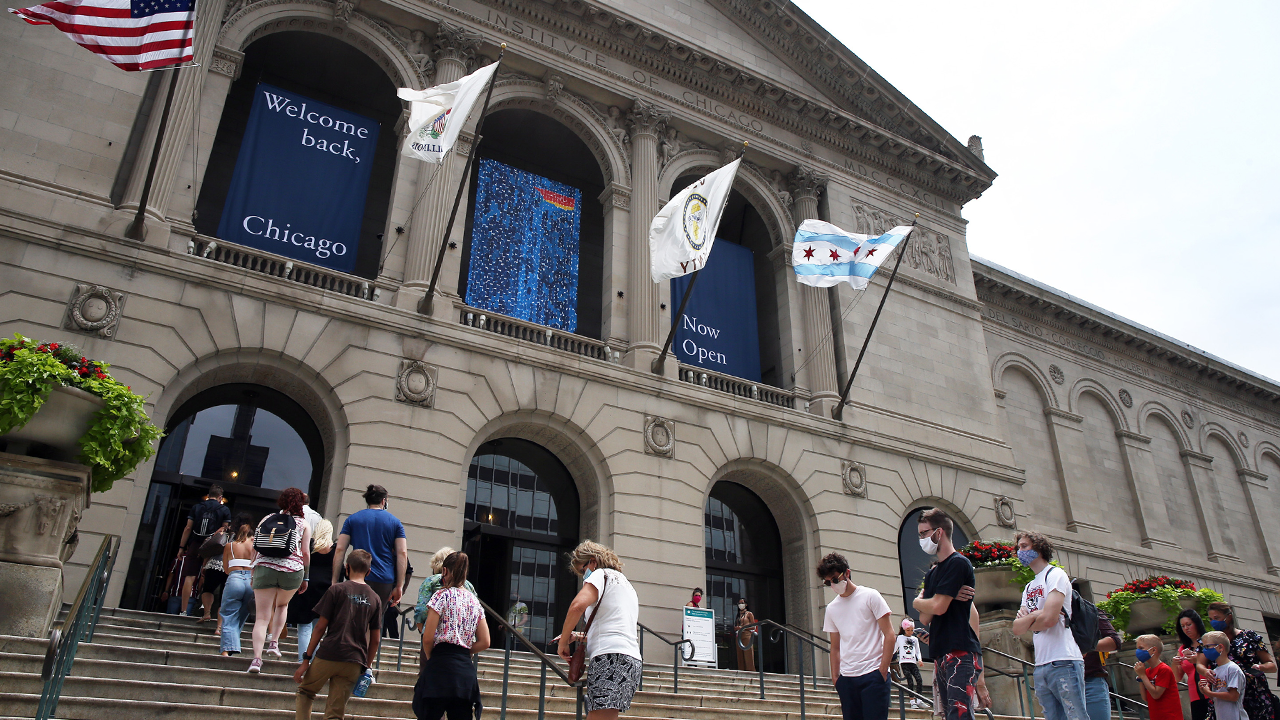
pixel 857 621
pixel 1046 610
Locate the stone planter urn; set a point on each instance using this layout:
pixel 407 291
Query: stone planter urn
pixel 1189 603
pixel 993 589
pixel 1146 615
pixel 41 502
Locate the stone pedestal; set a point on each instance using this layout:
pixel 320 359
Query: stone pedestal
pixel 41 503
pixel 996 631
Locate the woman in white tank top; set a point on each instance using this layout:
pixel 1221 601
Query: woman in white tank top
pixel 237 594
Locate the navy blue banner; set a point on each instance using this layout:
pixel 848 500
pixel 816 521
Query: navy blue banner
pixel 524 246
pixel 301 179
pixel 718 330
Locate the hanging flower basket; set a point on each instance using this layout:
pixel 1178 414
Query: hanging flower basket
pixel 55 401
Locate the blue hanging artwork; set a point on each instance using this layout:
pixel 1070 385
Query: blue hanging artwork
pixel 524 247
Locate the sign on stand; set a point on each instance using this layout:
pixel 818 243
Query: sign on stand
pixel 700 628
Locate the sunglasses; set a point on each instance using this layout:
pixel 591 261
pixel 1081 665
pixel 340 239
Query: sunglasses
pixel 829 583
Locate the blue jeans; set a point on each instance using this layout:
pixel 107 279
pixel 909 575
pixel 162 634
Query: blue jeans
pixel 865 697
pixel 1097 698
pixel 1060 690
pixel 304 637
pixel 237 603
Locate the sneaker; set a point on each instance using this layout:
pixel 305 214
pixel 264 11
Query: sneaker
pixel 273 647
pixel 255 666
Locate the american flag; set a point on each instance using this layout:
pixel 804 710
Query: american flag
pixel 130 34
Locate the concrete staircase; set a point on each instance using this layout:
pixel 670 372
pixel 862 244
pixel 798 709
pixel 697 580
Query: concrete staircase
pixel 142 666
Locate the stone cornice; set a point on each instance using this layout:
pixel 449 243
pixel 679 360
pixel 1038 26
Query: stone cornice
pixel 1193 455
pixel 1253 477
pixel 1136 437
pixel 940 171
pixel 1053 412
pixel 1042 305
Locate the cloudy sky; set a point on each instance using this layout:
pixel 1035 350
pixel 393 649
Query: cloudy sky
pixel 1138 147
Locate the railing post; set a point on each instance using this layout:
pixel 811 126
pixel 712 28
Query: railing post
pixel 800 657
pixel 506 671
pixel 675 668
pixel 902 704
pixel 542 693
pixel 813 663
pixel 1031 700
pixel 579 702
pixel 640 633
pixel 400 649
pixel 759 640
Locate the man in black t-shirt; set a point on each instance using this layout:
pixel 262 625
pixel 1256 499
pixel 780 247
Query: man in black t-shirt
pixel 946 605
pixel 206 518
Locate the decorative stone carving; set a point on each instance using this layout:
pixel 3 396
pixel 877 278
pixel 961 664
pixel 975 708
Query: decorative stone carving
pixel 646 117
pixel 342 10
pixel 669 147
pixel 1005 516
pixel 853 476
pixel 94 309
pixel 1244 439
pixel 226 62
pixel 616 123
pixel 975 147
pixel 1125 398
pixel 1056 373
pixel 416 383
pixel 418 48
pixel 454 42
pixel 1188 420
pixel 555 86
pixel 780 186
pixel 659 436
pixel 807 182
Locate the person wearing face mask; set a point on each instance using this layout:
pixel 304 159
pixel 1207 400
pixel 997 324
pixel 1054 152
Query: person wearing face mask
pixel 746 655
pixel 1046 610
pixel 1190 628
pixel 1249 651
pixel 857 623
pixel 1156 678
pixel 945 604
pixel 696 601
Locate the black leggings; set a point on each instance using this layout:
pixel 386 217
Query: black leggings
pixel 1199 709
pixel 435 708
pixel 912 672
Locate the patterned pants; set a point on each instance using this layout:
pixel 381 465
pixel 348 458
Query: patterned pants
pixel 955 678
pixel 611 682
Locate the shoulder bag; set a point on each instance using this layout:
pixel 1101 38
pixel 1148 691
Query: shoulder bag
pixel 578 663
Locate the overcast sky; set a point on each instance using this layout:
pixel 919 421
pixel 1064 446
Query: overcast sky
pixel 1137 146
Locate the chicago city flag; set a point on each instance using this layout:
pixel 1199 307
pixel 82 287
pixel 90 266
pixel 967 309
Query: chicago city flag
pixel 437 114
pixel 130 34
pixel 681 234
pixel 824 255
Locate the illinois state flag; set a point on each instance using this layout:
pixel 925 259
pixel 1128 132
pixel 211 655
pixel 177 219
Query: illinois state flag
pixel 824 255
pixel 681 234
pixel 437 114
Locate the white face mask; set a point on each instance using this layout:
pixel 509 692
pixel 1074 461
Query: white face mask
pixel 840 587
pixel 928 545
pixel 742 606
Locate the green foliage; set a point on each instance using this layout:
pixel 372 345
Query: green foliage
pixel 1119 603
pixel 121 435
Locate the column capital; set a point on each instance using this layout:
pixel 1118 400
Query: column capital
pixel 1253 477
pixel 1130 435
pixel 1200 457
pixel 646 118
pixel 806 182
pixel 1054 413
pixel 454 42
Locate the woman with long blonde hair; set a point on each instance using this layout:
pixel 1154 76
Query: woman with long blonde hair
pixel 302 605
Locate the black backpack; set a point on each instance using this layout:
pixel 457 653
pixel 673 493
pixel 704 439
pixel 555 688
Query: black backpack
pixel 1083 623
pixel 275 536
pixel 204 521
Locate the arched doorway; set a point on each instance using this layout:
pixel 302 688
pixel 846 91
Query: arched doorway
pixel 250 439
pixel 329 71
pixel 744 559
pixel 532 142
pixel 742 224
pixel 520 517
pixel 914 562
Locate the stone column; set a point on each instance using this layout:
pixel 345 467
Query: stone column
pixel 616 200
pixel 647 122
pixel 455 51
pixel 178 131
pixel 1258 497
pixel 1072 460
pixel 819 350
pixel 1144 483
pixel 1008 694
pixel 1200 475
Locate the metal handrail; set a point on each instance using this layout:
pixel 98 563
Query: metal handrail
pixel 817 638
pixel 677 655
pixel 1116 697
pixel 77 626
pixel 546 661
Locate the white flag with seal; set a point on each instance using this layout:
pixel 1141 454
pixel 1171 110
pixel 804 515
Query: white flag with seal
pixel 437 114
pixel 681 234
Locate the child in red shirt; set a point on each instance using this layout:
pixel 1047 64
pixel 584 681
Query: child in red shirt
pixel 1156 678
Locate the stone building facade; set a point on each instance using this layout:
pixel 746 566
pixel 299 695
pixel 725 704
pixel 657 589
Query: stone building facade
pixel 1006 402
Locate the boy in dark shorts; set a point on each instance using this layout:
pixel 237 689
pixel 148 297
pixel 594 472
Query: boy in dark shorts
pixel 344 642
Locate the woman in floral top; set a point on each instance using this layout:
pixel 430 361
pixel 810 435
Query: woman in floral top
pixel 455 630
pixel 1249 651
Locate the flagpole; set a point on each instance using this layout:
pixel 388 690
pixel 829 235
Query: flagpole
pixel 838 413
pixel 660 363
pixel 134 230
pixel 425 305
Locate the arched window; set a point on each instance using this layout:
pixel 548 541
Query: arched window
pixel 914 562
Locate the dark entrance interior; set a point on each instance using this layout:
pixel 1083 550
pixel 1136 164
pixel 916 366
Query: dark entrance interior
pixel 251 440
pixel 741 224
pixel 914 562
pixel 330 71
pixel 520 518
pixel 744 559
pixel 536 143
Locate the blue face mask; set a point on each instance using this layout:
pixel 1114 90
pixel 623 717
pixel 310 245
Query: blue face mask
pixel 587 573
pixel 1142 655
pixel 1211 654
pixel 1219 625
pixel 1028 556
